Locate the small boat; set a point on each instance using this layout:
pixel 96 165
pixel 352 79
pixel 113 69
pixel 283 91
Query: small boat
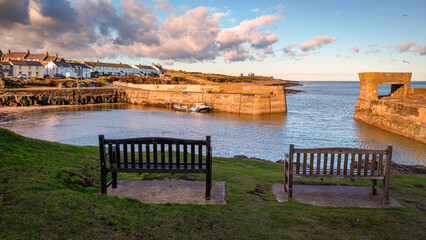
pixel 199 107
pixel 178 107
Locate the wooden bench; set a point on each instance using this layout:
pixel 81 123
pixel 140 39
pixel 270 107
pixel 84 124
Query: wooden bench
pixel 346 163
pixel 154 155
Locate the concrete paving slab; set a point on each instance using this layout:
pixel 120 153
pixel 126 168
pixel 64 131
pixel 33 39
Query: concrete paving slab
pixel 169 191
pixel 337 196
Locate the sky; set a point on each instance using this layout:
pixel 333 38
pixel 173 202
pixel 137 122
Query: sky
pixel 303 40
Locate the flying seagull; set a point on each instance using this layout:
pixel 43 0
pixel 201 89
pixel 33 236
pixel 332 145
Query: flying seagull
pixel 403 61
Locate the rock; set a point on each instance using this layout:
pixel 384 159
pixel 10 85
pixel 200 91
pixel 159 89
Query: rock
pixel 280 161
pixel 240 157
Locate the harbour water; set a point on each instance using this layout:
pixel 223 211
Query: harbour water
pixel 321 117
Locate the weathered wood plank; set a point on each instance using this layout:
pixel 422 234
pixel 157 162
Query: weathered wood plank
pixel 358 171
pixel 380 168
pixel 117 154
pixel 163 156
pixel 148 155
pixel 352 164
pixel 132 155
pixel 374 165
pixel 126 160
pixel 305 160
pixel 332 164
pixel 318 162
pixel 140 154
pixel 339 150
pixel 345 164
pixel 155 153
pixel 297 163
pixel 153 140
pixel 366 160
pixel 311 164
pixel 325 163
pixel 339 163
pixel 200 155
pixel 192 156
pixel 185 156
pixel 170 155
pixel 178 155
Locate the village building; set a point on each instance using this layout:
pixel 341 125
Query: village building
pixel 158 68
pixel 27 56
pixel 5 69
pixel 143 70
pixel 67 69
pixel 109 69
pixel 29 68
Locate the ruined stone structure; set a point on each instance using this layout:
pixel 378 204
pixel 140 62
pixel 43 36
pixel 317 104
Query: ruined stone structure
pixel 253 100
pixel 403 111
pixel 63 96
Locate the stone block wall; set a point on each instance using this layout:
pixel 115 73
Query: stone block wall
pixel 63 96
pixel 253 104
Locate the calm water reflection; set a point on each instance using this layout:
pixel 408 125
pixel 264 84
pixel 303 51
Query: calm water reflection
pixel 322 117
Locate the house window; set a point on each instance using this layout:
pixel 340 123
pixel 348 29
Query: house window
pixel 20 73
pixel 29 67
pixel 20 67
pixel 29 74
pixel 37 74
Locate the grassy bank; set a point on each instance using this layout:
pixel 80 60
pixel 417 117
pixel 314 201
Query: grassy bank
pixel 48 191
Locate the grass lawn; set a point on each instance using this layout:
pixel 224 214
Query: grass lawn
pixel 48 191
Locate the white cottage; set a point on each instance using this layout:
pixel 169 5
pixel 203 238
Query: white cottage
pixel 30 68
pixel 144 70
pixel 67 69
pixel 109 69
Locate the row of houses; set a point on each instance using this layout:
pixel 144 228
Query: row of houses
pixel 43 65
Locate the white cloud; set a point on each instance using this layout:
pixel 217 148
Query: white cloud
pixel 99 29
pixel 372 51
pixel 317 42
pixel 421 50
pixel 355 49
pixel 404 47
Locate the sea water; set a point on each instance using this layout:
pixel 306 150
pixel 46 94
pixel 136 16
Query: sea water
pixel 320 117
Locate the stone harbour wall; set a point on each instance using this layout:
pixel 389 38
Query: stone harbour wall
pixel 397 116
pixel 240 103
pixel 62 96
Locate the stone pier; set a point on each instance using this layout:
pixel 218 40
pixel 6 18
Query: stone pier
pixel 402 111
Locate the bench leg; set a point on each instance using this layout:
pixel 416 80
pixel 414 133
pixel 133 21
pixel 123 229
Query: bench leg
pixel 103 181
pixel 386 190
pixel 285 176
pixel 114 180
pixel 208 185
pixel 373 187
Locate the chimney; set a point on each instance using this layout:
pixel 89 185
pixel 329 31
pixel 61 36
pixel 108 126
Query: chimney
pixel 46 56
pixel 27 53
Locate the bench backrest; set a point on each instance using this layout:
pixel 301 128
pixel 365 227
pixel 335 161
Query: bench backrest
pixel 340 161
pixel 150 153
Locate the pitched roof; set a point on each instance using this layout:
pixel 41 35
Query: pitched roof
pixel 25 63
pixel 101 64
pixel 79 65
pixel 144 67
pixel 36 56
pixel 13 55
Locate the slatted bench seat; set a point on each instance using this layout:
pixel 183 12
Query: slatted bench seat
pixel 344 163
pixel 154 155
